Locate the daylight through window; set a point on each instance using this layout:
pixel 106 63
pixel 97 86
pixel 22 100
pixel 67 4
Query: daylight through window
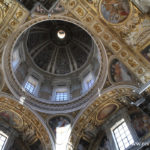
pixel 3 140
pixel 16 59
pixel 90 83
pixel 123 136
pixel 61 96
pixel 29 87
pixel 31 84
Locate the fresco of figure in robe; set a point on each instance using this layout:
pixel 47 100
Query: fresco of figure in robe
pixel 115 11
pixel 11 118
pixel 59 122
pixel 119 73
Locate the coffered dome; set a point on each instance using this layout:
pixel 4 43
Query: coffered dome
pixel 59 47
pixel 55 65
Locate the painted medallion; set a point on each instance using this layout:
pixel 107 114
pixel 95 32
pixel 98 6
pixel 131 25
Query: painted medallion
pixel 115 11
pixel 106 111
pixel 11 118
pixel 119 72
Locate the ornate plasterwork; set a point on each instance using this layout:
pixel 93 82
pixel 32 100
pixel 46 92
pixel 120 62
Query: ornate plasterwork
pixel 132 79
pixel 31 125
pixel 88 13
pixel 125 40
pixel 12 15
pixel 47 106
pixel 87 119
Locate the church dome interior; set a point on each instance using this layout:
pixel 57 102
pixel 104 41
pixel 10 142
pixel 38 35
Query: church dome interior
pixel 74 74
pixel 60 40
pixel 56 61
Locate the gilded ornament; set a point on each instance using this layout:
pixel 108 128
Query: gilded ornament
pixel 88 19
pixel 140 71
pixel 19 14
pixel 123 54
pixel 132 62
pixel 106 36
pixel 80 11
pixel 13 23
pixel 72 4
pixel 97 28
pixel 115 46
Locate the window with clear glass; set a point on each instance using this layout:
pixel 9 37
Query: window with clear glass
pixel 16 59
pixel 61 96
pixel 123 136
pixel 88 82
pixel 31 84
pixel 3 140
pixel 61 93
pixel 29 87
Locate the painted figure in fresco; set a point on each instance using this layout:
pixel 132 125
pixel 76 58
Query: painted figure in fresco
pixel 119 72
pixel 115 11
pixel 141 123
pixel 146 53
pixel 58 122
pixel 11 118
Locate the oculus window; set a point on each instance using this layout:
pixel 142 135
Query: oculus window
pixel 122 136
pixel 3 140
pixel 31 84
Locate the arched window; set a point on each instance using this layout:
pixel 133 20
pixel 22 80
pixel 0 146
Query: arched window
pixel 88 81
pixel 3 140
pixel 31 84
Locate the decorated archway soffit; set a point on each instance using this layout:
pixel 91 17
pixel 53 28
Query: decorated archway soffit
pixel 27 122
pixel 97 113
pixel 12 15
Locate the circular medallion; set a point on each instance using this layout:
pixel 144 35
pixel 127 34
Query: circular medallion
pixel 115 11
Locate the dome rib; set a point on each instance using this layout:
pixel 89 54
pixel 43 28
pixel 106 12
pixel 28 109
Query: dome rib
pixel 71 43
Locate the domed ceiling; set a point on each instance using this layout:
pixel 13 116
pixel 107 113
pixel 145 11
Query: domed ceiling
pixel 55 56
pixel 58 47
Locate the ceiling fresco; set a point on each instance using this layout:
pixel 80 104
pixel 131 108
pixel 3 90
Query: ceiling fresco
pixel 119 27
pixel 24 121
pixel 106 111
pixel 115 11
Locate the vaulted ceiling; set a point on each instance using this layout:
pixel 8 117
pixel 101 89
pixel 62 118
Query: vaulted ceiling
pixel 125 35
